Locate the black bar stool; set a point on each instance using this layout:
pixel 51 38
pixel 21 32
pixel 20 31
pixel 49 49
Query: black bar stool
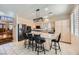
pixel 39 44
pixel 56 42
pixel 30 41
pixel 25 38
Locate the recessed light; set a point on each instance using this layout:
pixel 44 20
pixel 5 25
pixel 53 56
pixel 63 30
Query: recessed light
pixel 32 13
pixel 46 9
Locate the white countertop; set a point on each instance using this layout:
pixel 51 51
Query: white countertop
pixel 45 34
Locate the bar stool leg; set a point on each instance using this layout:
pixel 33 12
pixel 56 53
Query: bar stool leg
pixel 35 46
pixel 59 46
pixel 55 48
pixel 51 46
pixel 32 46
pixel 28 44
pixel 25 43
pixel 38 50
pixel 44 49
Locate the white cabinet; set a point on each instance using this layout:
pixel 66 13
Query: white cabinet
pixel 63 27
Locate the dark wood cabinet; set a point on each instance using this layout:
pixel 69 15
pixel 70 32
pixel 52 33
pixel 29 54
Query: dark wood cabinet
pixel 5 35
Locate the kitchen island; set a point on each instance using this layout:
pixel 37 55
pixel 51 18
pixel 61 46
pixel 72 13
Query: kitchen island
pixel 48 37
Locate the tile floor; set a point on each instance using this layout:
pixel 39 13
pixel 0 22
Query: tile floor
pixel 17 48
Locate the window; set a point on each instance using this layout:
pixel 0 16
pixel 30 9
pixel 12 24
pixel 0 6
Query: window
pixel 75 21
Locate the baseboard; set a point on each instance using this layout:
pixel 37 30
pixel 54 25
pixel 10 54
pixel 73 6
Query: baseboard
pixel 65 42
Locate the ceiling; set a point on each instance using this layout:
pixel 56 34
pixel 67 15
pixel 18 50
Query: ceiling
pixel 28 10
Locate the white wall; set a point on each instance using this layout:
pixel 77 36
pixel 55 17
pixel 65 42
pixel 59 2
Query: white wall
pixel 25 21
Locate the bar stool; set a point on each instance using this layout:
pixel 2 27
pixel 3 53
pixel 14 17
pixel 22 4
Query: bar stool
pixel 26 38
pixel 39 44
pixel 31 41
pixel 56 42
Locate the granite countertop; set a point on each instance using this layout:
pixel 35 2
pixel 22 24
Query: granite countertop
pixel 43 30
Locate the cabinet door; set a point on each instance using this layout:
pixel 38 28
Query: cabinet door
pixel 63 27
pixel 58 27
pixel 66 31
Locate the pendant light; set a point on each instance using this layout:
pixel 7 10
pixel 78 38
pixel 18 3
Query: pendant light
pixel 38 18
